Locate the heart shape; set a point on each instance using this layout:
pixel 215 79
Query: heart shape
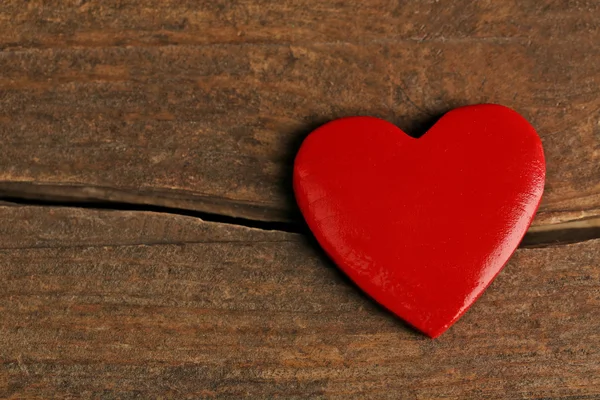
pixel 423 226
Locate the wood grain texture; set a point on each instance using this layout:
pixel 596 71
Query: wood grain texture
pixel 128 305
pixel 203 104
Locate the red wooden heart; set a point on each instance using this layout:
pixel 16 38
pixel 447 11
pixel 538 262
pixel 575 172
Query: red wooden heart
pixel 422 225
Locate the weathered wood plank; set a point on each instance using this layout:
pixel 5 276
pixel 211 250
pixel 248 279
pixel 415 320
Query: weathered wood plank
pixel 144 305
pixel 44 23
pixel 202 105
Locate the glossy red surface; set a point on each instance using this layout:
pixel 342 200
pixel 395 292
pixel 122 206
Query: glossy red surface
pixel 422 225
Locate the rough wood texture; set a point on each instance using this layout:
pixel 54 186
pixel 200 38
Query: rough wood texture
pixel 202 104
pixel 100 304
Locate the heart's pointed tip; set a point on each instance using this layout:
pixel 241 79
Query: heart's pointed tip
pixel 427 328
pixel 435 328
pixel 434 333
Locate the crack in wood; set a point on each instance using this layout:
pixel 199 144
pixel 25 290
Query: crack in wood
pixel 290 227
pixel 537 236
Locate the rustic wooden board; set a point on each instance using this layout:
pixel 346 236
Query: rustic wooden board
pixel 202 105
pixel 112 304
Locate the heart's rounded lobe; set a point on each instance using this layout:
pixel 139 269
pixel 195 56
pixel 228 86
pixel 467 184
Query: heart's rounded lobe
pixel 422 225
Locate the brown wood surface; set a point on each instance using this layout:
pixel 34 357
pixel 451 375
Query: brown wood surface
pixel 130 305
pixel 203 104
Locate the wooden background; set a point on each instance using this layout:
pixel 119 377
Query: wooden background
pixel 149 242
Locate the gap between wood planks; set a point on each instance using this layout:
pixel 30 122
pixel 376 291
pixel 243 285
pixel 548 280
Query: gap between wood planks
pixel 537 236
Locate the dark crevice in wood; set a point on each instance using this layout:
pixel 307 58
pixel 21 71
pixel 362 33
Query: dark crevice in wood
pixel 554 236
pixel 290 227
pixel 559 237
